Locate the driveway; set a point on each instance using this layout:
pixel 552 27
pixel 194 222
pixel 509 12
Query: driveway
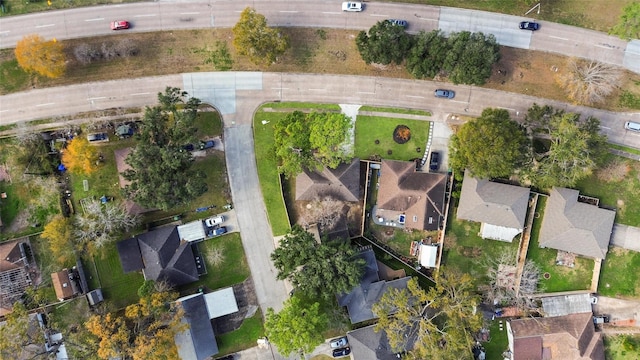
pixel 621 312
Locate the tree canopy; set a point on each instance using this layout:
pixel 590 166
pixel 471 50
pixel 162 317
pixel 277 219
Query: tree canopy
pixel 317 269
pixel 254 38
pixel 307 141
pixel 80 157
pixel 628 26
pixel 161 171
pixel 59 235
pixel 427 54
pixel 385 43
pixel 35 54
pixel 490 146
pixel 470 57
pixel 438 323
pixel 297 328
pixel 15 334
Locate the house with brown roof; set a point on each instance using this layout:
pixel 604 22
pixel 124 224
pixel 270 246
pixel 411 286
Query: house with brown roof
pixel 500 208
pixel 14 274
pixel 62 285
pixel 341 183
pixel 574 226
pixel 569 337
pixel 410 198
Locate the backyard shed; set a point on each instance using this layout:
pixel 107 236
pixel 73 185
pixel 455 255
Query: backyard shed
pixel 220 303
pixel 428 255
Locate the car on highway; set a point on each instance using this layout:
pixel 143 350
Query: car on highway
pixel 434 162
pixel 446 94
pixel 213 221
pixel 399 22
pixel 529 25
pixel 352 6
pixel 339 342
pixel 341 352
pixel 120 25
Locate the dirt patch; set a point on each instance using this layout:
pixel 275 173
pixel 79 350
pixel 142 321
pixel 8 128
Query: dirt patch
pixel 614 171
pixel 247 301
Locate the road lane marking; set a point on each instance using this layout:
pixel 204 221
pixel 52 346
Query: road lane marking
pixel 604 47
pixel 458 101
pixel 415 96
pixel 366 92
pixel 43 26
pixel 331 12
pixel 604 127
pixel 312 89
pixel 288 11
pixel 500 107
pixel 1 111
pixel 190 13
pixel 47 104
pixel 97 98
pixel 96 19
pixel 4 32
pixel 559 38
pixel 279 88
pixel 378 15
pixel 139 94
pixel 147 15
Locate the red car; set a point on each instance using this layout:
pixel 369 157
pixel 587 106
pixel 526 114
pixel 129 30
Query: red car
pixel 119 25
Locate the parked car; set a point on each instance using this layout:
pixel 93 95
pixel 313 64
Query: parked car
pixel 206 144
pixel 219 231
pixel 188 147
pixel 352 6
pixel 98 137
pixel 213 221
pixel 600 319
pixel 399 22
pixel 341 352
pixel 124 131
pixel 529 25
pixel 119 25
pixel 446 94
pixel 434 162
pixel 339 342
pixel 633 126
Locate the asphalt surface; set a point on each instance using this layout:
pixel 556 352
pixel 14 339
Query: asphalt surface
pixel 198 14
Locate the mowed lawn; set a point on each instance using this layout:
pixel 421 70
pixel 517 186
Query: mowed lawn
pixel 372 129
pixel 619 273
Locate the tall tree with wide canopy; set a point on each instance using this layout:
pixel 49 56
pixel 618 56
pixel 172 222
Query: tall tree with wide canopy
pixel 628 26
pixel 471 57
pixel 490 146
pixel 427 54
pixel 385 43
pixel 438 323
pixel 254 38
pixel 328 134
pixel 44 57
pixel 317 269
pixel 161 171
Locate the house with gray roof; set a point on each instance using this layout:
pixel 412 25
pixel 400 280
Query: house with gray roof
pixel 367 344
pixel 566 304
pixel 574 226
pixel 360 300
pixel 160 255
pixel 341 183
pixel 408 198
pixel 197 341
pixel 500 208
pixel 560 337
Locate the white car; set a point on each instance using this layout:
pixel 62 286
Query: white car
pixel 352 6
pixel 213 221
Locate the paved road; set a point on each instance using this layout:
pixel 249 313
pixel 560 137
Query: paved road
pixel 170 15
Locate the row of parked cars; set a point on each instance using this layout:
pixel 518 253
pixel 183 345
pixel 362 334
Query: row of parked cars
pixel 340 347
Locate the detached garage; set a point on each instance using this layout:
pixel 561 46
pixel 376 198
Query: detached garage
pixel 193 231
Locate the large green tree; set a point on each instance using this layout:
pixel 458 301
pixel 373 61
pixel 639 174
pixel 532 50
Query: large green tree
pixel 441 321
pixel 490 146
pixel 254 38
pixel 297 328
pixel 628 26
pixel 328 135
pixel 427 54
pixel 161 171
pixel 385 43
pixel 471 57
pixel 318 269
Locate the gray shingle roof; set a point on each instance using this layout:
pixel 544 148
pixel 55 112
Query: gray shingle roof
pixel 575 227
pixel 198 342
pixel 341 183
pixel 493 203
pixel 366 344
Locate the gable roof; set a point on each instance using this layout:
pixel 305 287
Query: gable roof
pixel 62 285
pixel 559 337
pixel 198 341
pixel 341 183
pixel 360 300
pixel 493 203
pixel 367 344
pixel 418 195
pixel 575 227
pixel 161 256
pixel 566 304
pixel 10 256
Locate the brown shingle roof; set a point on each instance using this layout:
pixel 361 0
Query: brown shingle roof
pixel 493 203
pixel 418 195
pixel 10 256
pixel 341 183
pixel 576 227
pixel 62 285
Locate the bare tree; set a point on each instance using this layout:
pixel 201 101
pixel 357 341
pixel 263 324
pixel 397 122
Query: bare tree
pixel 100 222
pixel 25 134
pixel 126 47
pixel 588 81
pixel 325 211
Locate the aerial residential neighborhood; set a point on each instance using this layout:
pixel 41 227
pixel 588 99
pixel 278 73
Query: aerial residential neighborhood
pixel 204 180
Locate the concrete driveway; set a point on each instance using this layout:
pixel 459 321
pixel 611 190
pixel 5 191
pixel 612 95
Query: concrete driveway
pixel 621 312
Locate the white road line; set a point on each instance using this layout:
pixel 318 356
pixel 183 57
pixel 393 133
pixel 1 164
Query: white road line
pixel 96 19
pixel 604 127
pixel 288 11
pixel 310 89
pixel 139 94
pixel 331 12
pixel 47 104
pixel 366 92
pixel 147 15
pixel 415 96
pixel 500 107
pixel 458 101
pixel 279 88
pixel 1 111
pixel 4 32
pixel 559 38
pixel 43 26
pixel 379 15
pixel 190 13
pixel 97 98
pixel 603 47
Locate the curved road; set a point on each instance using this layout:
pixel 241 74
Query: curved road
pixel 198 14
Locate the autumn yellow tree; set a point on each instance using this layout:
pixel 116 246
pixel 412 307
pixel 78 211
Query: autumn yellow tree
pixel 58 233
pixel 113 334
pixel 44 57
pixel 80 157
pixel 254 38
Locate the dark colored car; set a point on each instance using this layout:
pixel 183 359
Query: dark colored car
pixel 529 25
pixel 341 352
pixel 219 231
pixel 446 94
pixel 188 147
pixel 206 144
pixel 434 163
pixel 98 137
pixel 399 22
pixel 119 25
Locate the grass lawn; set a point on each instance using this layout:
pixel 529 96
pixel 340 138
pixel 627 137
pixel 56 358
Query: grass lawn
pixel 372 128
pixel 561 278
pixel 499 341
pixel 621 347
pixel 398 239
pixel 624 148
pixel 243 338
pixel 616 184
pixel 394 110
pixel 619 274
pixel 231 270
pixel 106 272
pixel 303 106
